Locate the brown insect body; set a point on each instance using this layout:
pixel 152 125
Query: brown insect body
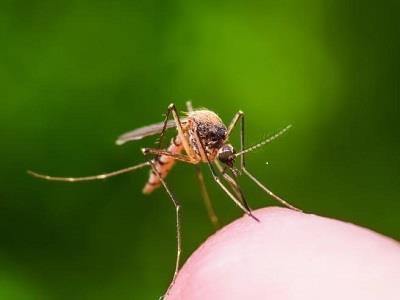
pixel 204 138
pixel 212 133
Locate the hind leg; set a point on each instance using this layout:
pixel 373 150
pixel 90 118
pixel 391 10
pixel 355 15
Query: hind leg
pixel 178 227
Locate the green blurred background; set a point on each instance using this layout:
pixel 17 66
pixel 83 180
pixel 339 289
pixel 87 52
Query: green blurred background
pixel 76 74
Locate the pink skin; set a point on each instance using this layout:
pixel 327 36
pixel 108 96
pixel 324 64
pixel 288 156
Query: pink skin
pixel 291 255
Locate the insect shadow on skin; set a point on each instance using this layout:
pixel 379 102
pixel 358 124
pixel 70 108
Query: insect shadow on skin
pixel 201 137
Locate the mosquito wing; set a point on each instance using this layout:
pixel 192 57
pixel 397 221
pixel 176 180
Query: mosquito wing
pixel 142 132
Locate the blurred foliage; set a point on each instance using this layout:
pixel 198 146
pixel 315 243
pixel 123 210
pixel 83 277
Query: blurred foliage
pixel 76 74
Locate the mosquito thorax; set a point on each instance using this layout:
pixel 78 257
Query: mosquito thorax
pixel 226 154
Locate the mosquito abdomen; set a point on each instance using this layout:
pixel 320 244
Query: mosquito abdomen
pixel 163 165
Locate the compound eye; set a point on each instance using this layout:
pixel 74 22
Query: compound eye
pixel 226 154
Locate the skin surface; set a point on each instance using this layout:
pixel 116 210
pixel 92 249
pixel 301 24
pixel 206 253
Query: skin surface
pixel 291 255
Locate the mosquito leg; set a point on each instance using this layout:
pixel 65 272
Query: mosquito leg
pixel 224 188
pixel 233 184
pixel 189 106
pixel 164 127
pixel 236 187
pixel 269 192
pixel 254 179
pixel 203 188
pixel 218 181
pixel 183 137
pixel 176 156
pixel 178 226
pixel 240 116
pixel 206 198
pixel 88 178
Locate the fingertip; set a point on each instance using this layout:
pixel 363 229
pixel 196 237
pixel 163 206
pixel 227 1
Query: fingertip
pixel 289 252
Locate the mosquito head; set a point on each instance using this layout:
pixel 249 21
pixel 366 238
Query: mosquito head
pixel 226 154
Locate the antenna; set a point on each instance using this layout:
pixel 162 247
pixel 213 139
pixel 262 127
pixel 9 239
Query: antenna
pixel 266 141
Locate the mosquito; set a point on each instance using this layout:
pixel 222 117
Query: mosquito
pixel 201 137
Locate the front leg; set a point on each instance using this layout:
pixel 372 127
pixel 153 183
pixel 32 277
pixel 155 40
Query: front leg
pixel 240 116
pixel 218 181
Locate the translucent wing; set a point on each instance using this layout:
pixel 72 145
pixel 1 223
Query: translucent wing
pixel 142 132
